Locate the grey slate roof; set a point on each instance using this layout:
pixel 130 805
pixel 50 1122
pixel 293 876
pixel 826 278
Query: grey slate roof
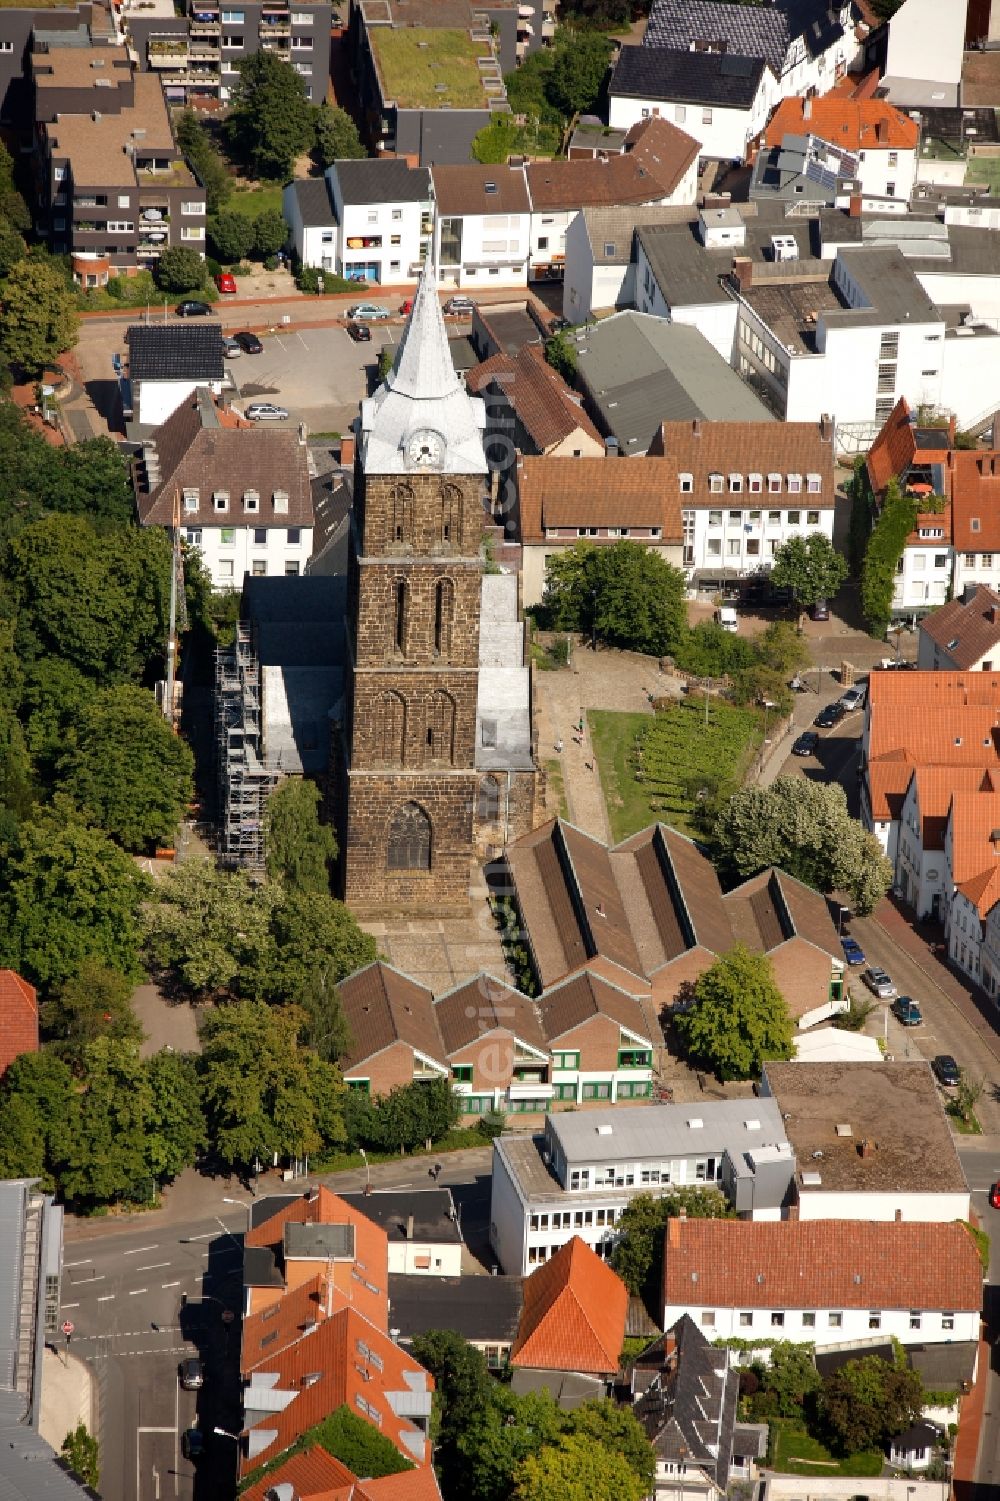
pixel 610 230
pixel 764 31
pixel 707 78
pixel 639 371
pixel 480 1309
pixel 176 351
pixel 315 204
pixel 382 180
pixel 688 1401
pixel 391 1209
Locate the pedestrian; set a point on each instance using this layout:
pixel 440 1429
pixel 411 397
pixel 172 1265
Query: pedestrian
pixel 559 746
pixel 579 725
pixel 589 765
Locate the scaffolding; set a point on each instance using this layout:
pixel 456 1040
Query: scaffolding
pixel 245 782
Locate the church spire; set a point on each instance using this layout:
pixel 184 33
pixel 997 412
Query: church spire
pixel 423 365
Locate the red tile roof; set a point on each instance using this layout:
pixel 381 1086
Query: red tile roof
pixel 313 1475
pixel 973 819
pixel 597 492
pixel 18 1018
pixel 973 481
pixel 934 789
pixel 574 1314
pixel 820 1264
pixel 855 124
pixel 371 1245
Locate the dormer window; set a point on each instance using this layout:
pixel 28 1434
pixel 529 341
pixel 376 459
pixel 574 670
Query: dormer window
pixel 251 500
pixel 974 524
pixel 794 484
pixel 220 500
pixel 190 502
pixel 687 483
pixel 813 484
pixel 774 484
pixel 755 484
pixel 715 483
pixel 735 484
pixel 281 502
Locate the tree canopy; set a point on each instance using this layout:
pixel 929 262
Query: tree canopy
pixel 805 828
pixel 90 479
pixel 865 1402
pixel 37 315
pixel 94 1003
pixel 231 235
pixel 576 1468
pixel 337 136
pixel 196 144
pixel 810 567
pixel 300 849
pixel 628 596
pixel 271 121
pixel 579 64
pixel 181 269
pixel 739 1017
pixel 638 1252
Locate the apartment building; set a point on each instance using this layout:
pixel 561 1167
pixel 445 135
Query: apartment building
pixel 878 143
pixel 368 220
pixel 964 635
pixel 24 29
pixel 482 226
pixel 576 1178
pixel 720 99
pixel 114 190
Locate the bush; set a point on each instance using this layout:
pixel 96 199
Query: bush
pixel 180 269
pixel 270 232
pixel 308 277
pixel 885 548
pixel 272 263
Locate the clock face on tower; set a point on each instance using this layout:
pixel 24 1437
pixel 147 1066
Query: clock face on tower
pixel 425 448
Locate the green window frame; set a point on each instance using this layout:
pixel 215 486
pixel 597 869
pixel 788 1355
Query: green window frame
pixel 363 1086
pixel 564 1091
pixel 528 1107
pixel 597 1089
pixel 462 1073
pixel 637 1089
pixel 565 1060
pixel 475 1104
pixel 635 1058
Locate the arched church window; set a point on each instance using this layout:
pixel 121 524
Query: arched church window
pixel 488 810
pixel 400 515
pixel 451 500
pixel 390 729
pixel 444 610
pixel 441 727
pixel 400 604
pixel 409 843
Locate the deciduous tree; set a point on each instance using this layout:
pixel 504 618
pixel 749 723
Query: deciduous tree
pixel 315 942
pixel 300 849
pixel 232 236
pixel 627 596
pixel 464 1390
pixel 578 70
pixel 620 1432
pixel 739 1017
pixel 37 316
pixel 175 1127
pixel 638 1253
pixel 865 1402
pixel 270 234
pixel 810 567
pixel 180 269
pixel 337 136
pixel 207 926
pixel 270 117
pixel 12 247
pixel 37 1105
pixel 790 1377
pixel 196 144
pixel 576 1468
pixel 81 1452
pixel 512 1428
pixel 96 1002
pixel 106 1154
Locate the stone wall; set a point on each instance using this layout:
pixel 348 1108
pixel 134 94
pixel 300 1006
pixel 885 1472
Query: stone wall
pixel 448 799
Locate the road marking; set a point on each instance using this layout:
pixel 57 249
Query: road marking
pixel 170 1284
pixel 107 1298
pixel 153 1266
pixel 69 1305
pixel 135 1291
pixel 210 1236
pixel 83 1282
pixel 68 1265
pixel 139 1250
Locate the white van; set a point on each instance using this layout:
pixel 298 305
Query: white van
pixel 726 617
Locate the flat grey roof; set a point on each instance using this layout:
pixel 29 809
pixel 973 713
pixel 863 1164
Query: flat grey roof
pixel 684 273
pixel 480 1309
pixel 629 1134
pixel 891 286
pixel 432 1210
pixel 318 1242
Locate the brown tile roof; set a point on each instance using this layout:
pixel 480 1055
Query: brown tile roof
pixel 597 492
pixel 583 996
pixel 682 889
pixel 212 458
pixel 819 1264
pixel 537 393
pixel 382 1006
pixel 966 630
pixel 974 817
pixel 661 149
pixel 18 1018
pixel 854 124
pixel 895 1105
pixel 934 788
pixel 893 450
pixel 574 1314
pixel 809 913
pixel 96 148
pixel 475 189
pixel 314 1475
pixel 974 487
pixel 703 448
pixel 483 1005
pixel 651 170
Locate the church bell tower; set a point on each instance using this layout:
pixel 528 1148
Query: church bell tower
pixel 414 592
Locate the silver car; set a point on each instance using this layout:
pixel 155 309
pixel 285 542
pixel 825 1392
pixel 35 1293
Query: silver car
pixel 266 411
pixel 879 983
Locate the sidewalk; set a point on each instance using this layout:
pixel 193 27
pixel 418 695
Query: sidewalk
pixel 69 1396
pixel 970 1428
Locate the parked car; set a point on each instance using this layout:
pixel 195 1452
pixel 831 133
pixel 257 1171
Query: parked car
pixel 995 1195
pixel 854 698
pixel 192 1373
pixel 946 1070
pixel 225 281
pixel 460 304
pixel 248 342
pixel 192 1443
pixel 232 347
pixel 806 744
pixel 879 984
pixel 359 332
pixel 763 595
pixel 727 617
pixel 192 308
pixel 266 411
pixel 367 312
pixel 406 306
pixel 820 610
pixel 853 952
pixel 907 1012
pixel 828 717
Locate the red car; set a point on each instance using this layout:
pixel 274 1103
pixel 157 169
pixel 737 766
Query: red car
pixel 406 306
pixel 225 281
pixel 995 1195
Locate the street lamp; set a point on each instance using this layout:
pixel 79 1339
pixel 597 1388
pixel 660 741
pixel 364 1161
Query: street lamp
pixel 368 1171
pixel 768 704
pixel 593 620
pixel 841 911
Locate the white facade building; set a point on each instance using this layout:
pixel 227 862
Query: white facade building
pixel 924 57
pixel 364 220
pixel 722 101
pixel 482 226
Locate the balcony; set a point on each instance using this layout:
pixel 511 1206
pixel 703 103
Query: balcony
pixel 204 28
pixel 168 54
pixel 203 53
pixel 529 1091
pixel 274 26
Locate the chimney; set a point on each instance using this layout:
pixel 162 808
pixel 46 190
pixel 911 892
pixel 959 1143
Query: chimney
pixel 899 1216
pixel 826 428
pixel 328 1291
pixel 854 206
pixel 743 271
pixel 409 1227
pixel 807 109
pixel 866 1147
pixel 347 450
pixel 303 434
pixel 696 427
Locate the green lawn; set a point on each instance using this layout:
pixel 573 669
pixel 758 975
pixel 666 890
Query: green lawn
pixel 654 766
pixel 254 201
pixel 796 1453
pixel 424 67
pixel 557 785
pixel 984 169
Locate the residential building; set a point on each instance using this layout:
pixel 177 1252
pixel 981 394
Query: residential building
pixel 597 500
pixel 659 166
pixel 870 1140
pixel 922 876
pixel 241 495
pixel 282 1254
pixel 314 1475
pixel 428 76
pixel 876 143
pixel 972 873
pixel 823 1282
pixel 422 1229
pixel 685 1393
pixel 649 915
pixel 365 220
pixel 529 410
pixel 721 99
pixel 963 635
pixel 723 473
pixel 807 46
pixel 677 279
pixel 599 270
pixel 494 1042
pixel 394 1036
pixel 636 371
pixel 25 27
pixel 482 225
pixel 574 1314
pixel 600 1040
pixel 71 73
pixel 578 1176
pixel 517 29
pixel 18 1018
pixel 485 1311
pixel 197 50
pixel 164 364
pixel 114 189
pixel 915 456
pixel 972 486
pixel 924 58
